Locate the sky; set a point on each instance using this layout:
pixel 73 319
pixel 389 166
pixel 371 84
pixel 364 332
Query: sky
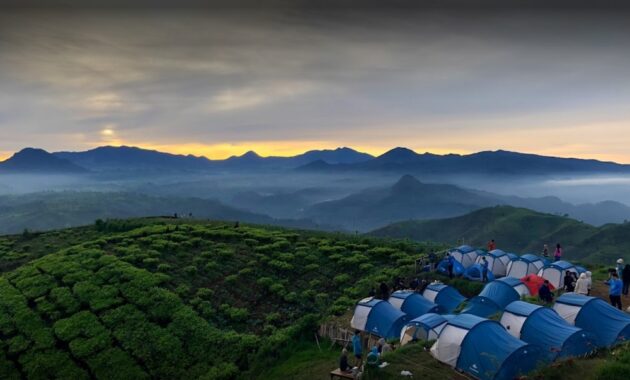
pixel 219 81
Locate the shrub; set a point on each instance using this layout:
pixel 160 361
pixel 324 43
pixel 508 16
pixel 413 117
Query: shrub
pixel 341 279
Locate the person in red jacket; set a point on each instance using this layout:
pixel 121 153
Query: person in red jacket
pixel 492 245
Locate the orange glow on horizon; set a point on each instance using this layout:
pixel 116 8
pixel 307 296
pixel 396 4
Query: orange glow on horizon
pixel 292 148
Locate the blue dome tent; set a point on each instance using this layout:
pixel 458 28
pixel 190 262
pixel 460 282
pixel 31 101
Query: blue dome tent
pixel 609 326
pixel 542 326
pixel 412 303
pixel 521 266
pixel 446 297
pixel 465 255
pixel 426 327
pixel 556 271
pixel 458 268
pixel 495 296
pixel 497 262
pixel 484 349
pixel 474 273
pixel 378 317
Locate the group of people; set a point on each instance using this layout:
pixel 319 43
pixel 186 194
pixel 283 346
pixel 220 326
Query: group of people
pixel 384 292
pixel 382 347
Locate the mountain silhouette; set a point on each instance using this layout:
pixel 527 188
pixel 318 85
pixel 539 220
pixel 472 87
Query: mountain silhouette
pixel 32 160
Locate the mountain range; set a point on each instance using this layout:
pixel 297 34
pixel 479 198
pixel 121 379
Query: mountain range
pixel 500 162
pixel 411 199
pixel 397 160
pixel 520 230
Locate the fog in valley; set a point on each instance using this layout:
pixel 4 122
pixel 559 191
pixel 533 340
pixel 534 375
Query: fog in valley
pixel 354 201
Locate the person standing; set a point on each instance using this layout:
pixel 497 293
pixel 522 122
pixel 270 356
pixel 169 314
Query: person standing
pixel 589 277
pixel 545 251
pixel 544 293
pixel 484 269
pixel 625 278
pixel 557 255
pixel 343 361
pixel 492 245
pixel 619 267
pixel 384 291
pixel 614 292
pixel 451 264
pixel 432 260
pixel 357 348
pixel 569 282
pixel 581 285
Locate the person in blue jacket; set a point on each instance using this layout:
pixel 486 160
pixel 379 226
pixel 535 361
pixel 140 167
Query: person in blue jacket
pixel 357 348
pixel 614 292
pixel 544 293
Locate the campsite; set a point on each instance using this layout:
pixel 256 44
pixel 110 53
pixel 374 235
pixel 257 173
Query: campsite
pixel 182 288
pixel 314 190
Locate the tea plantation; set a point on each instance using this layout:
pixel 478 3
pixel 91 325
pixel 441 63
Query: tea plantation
pixel 172 299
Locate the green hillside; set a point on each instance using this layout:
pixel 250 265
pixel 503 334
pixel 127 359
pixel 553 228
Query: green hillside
pixel 168 299
pixel 520 230
pixel 52 210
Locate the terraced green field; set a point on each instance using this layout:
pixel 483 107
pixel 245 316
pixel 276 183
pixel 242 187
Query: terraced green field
pixel 167 299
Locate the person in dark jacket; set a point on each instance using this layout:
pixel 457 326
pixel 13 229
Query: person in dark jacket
pixel 413 285
pixel 451 264
pixel 625 277
pixel 384 291
pixel 544 293
pixel 343 361
pixel 569 282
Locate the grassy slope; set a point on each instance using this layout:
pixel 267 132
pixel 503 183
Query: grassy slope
pixel 174 299
pixel 520 230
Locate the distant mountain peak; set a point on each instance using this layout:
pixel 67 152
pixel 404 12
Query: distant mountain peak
pixel 250 154
pixel 398 154
pixel 406 183
pixel 38 160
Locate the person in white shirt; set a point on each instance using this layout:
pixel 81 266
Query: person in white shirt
pixel 581 285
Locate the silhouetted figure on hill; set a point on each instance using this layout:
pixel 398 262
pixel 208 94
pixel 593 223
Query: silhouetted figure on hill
pixel 545 251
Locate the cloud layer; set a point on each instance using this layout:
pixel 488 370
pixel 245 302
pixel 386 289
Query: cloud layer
pixel 222 82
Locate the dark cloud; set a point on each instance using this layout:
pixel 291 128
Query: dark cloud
pixel 451 5
pixel 302 74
